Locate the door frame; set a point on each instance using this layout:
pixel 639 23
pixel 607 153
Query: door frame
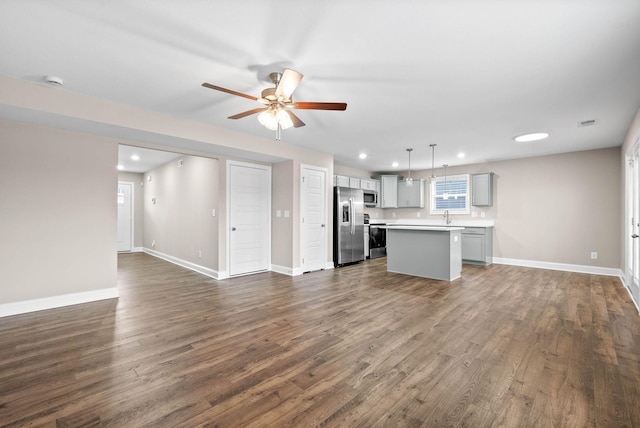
pixel 267 168
pixel 632 214
pixel 326 215
pixel 132 212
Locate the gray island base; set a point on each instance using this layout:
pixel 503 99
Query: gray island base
pixel 426 251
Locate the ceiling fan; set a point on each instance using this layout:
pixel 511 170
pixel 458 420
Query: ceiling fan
pixel 276 114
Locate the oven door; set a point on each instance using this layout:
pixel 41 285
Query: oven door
pixel 377 241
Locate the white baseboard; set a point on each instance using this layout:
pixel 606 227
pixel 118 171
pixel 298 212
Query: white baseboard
pixel 137 250
pixel 287 270
pixel 595 270
pixel 295 271
pixel 626 286
pixel 185 264
pixel 52 302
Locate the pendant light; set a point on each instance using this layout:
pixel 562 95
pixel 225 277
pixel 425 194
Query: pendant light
pixel 445 195
pixel 433 159
pixel 409 181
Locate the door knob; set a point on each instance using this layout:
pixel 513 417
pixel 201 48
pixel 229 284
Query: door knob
pixel 233 229
pixel 322 225
pixel 635 235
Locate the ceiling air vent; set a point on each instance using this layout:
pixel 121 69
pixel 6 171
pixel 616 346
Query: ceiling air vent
pixel 587 122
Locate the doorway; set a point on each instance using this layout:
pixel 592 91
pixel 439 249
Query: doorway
pixel 249 215
pixel 313 221
pixel 125 216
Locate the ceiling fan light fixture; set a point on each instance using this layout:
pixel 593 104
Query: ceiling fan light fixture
pixel 268 119
pixel 284 119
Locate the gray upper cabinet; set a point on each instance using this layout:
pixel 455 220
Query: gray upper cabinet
pixel 388 196
pixel 482 189
pixel 411 196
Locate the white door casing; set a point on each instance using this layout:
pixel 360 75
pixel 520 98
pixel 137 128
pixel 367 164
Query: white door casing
pixel 249 217
pixel 313 219
pixel 125 216
pixel 632 221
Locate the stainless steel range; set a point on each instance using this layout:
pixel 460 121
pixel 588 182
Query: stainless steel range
pixel 377 240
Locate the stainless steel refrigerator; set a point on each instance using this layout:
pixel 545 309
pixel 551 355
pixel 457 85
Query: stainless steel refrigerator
pixel 348 225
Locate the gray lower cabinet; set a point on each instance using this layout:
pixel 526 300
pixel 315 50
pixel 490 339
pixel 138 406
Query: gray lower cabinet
pixel 477 245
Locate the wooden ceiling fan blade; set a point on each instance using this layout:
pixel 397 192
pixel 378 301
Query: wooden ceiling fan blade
pixel 229 91
pixel 304 105
pixel 297 123
pixel 288 83
pixel 247 113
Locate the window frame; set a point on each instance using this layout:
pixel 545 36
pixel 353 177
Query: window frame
pixel 432 194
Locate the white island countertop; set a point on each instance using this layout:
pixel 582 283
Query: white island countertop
pixel 431 222
pixel 422 227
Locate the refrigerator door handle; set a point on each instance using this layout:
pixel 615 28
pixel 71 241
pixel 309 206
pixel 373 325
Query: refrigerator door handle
pixel 352 223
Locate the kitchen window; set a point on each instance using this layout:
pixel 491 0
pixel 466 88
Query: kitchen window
pixel 452 195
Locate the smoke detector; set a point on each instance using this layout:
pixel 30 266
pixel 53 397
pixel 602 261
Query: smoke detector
pixel 53 80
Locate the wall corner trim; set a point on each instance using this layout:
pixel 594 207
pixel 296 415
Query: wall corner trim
pixel 26 306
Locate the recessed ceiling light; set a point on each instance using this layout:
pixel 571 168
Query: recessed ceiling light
pixel 120 167
pixel 362 155
pixel 135 157
pixel 460 155
pixel 395 164
pixel 533 136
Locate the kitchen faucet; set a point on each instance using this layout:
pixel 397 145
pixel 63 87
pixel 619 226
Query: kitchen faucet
pixel 447 216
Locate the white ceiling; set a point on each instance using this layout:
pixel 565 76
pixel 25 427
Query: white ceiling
pixel 466 75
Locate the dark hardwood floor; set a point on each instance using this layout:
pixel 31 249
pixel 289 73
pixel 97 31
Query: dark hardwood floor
pixel 354 346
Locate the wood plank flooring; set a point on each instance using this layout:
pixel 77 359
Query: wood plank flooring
pixel 350 347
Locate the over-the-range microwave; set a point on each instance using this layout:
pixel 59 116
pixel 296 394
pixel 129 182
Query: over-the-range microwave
pixel 370 198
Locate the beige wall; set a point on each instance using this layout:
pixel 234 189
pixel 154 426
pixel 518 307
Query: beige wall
pixel 57 211
pixel 549 209
pixel 138 198
pixel 181 222
pixel 282 227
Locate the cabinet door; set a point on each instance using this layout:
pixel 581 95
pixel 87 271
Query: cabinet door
pixel 411 196
pixel 341 180
pixel 473 247
pixel 354 182
pixel 482 190
pixel 389 191
pixel 367 184
pixel 403 194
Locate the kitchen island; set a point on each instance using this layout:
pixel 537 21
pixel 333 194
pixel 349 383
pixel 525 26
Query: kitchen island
pixel 428 251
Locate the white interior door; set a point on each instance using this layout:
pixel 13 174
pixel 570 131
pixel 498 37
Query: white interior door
pixel 313 230
pixel 249 202
pixel 125 216
pixel 633 221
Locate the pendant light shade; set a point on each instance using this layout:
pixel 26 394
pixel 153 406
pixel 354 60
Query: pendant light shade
pixel 409 180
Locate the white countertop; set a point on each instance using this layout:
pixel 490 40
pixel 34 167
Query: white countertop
pixel 436 223
pixel 422 227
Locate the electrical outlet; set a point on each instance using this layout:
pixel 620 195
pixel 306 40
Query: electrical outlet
pixel 199 254
pixel 594 255
pixel 153 243
pixel 418 214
